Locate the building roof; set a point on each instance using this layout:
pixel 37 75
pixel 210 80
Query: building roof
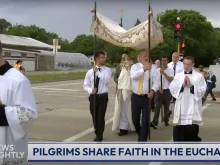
pixel 23 41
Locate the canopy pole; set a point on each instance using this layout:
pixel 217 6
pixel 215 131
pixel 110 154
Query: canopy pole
pixel 93 10
pixel 149 81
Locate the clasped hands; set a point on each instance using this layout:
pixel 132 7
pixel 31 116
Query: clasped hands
pixel 187 82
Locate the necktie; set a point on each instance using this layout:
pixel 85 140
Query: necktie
pixel 174 68
pixel 140 85
pixel 97 82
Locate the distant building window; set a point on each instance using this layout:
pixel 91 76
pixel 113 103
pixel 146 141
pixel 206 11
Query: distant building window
pixel 23 55
pixel 7 54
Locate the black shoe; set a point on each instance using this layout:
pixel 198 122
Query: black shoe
pixel 122 132
pixel 98 138
pixel 95 139
pixel 153 125
pixel 166 124
pixel 213 99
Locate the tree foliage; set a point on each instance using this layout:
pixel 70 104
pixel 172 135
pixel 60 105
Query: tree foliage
pixel 201 38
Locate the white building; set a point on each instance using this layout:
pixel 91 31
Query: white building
pixel 28 50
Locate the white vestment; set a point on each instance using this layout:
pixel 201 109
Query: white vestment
pixel 122 118
pixel 188 106
pixel 20 107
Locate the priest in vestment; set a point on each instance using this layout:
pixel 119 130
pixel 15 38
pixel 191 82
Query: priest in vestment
pixel 188 87
pixel 17 109
pixel 122 119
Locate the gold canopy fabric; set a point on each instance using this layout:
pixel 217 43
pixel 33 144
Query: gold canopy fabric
pixel 135 38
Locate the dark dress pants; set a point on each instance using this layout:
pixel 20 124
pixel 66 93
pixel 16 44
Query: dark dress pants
pixel 162 100
pixel 98 114
pixel 140 105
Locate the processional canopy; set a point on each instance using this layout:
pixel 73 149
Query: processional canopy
pixel 135 38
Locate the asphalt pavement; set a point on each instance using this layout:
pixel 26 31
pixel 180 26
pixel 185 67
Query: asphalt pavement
pixel 63 109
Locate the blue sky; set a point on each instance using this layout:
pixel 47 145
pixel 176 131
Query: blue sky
pixel 69 18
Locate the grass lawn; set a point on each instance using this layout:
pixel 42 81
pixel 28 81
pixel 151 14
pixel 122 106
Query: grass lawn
pixel 39 78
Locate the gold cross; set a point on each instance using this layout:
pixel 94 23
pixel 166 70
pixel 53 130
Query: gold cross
pixel 121 12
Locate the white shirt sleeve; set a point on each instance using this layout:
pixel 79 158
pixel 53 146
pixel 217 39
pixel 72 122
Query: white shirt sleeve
pixel 136 72
pixel 156 80
pixel 87 85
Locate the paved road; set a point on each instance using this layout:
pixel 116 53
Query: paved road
pixel 64 116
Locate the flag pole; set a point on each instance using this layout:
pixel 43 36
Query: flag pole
pixel 149 46
pixel 93 10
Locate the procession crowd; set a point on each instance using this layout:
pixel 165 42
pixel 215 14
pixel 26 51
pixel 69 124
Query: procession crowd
pixel 144 87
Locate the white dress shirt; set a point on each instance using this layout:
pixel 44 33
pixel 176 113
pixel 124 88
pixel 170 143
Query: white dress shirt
pixel 165 82
pixel 104 77
pixel 137 71
pixel 179 67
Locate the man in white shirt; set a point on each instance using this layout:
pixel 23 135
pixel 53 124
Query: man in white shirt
pixel 163 96
pixel 176 65
pixel 188 87
pixel 142 93
pixel 98 93
pixel 17 110
pixel 157 63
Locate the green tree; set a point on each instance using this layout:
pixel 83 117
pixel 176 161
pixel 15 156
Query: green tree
pixel 198 34
pixel 4 25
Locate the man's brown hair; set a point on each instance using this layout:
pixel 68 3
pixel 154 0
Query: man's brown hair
pixel 189 58
pixel 98 54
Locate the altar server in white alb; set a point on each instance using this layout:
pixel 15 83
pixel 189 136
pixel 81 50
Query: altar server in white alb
pixel 188 87
pixel 122 119
pixel 17 109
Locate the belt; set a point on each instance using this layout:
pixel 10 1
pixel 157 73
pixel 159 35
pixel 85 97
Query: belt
pixel 100 95
pixel 143 95
pixel 165 89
